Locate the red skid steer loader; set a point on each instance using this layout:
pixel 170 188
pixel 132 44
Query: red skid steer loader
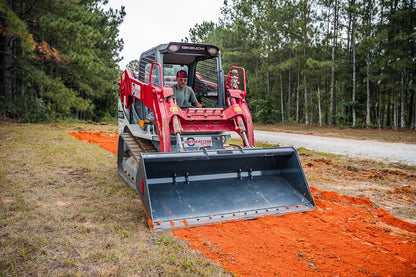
pixel 176 157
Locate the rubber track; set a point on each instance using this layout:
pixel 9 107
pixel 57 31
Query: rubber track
pixel 137 145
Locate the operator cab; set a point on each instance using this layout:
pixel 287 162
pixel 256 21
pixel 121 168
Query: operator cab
pixel 202 63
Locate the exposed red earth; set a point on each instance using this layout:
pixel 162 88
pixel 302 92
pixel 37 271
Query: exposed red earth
pixel 107 140
pixel 344 236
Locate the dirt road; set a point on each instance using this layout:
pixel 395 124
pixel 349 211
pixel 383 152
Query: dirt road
pixel 368 149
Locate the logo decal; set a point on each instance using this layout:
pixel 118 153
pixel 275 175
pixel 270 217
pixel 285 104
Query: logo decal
pixel 197 141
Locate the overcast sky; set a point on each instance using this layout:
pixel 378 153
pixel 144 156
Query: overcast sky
pixel 150 23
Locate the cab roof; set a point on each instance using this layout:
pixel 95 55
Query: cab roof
pixel 183 53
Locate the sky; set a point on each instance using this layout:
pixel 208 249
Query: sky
pixel 149 23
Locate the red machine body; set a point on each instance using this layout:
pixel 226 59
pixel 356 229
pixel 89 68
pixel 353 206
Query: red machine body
pixel 171 119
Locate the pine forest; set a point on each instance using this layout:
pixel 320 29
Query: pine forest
pixel 347 63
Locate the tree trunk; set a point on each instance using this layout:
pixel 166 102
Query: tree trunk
pixel 384 109
pixel 395 114
pixel 319 106
pixel 334 45
pixel 403 99
pixel 332 104
pixel 281 97
pixel 378 112
pixel 368 118
pixel 414 110
pixel 256 70
pixel 306 102
pixel 268 83
pixel 354 116
pixel 297 96
pixel 289 99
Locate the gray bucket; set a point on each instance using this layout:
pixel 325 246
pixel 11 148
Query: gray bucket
pixel 189 189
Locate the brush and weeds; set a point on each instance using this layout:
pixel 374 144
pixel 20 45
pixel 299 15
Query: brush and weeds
pixel 65 211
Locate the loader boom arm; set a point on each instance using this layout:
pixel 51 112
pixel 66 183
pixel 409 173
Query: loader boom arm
pixel 235 117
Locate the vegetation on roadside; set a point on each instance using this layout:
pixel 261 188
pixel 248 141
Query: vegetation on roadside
pixel 64 211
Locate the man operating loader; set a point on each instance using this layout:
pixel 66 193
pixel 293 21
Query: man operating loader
pixel 183 93
pixel 180 164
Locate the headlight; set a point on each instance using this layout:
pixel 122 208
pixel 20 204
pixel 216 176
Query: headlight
pixel 173 47
pixel 213 51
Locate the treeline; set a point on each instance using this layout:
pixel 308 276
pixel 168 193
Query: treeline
pixel 59 59
pixel 339 62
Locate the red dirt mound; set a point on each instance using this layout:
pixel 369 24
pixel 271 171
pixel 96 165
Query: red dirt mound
pixel 345 236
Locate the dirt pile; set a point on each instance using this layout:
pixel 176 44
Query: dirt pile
pixel 345 236
pixel 107 140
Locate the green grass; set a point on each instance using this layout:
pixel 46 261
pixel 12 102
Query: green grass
pixel 64 211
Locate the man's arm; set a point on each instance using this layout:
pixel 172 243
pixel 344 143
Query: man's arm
pixel 193 99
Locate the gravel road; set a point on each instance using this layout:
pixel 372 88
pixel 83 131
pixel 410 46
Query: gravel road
pixel 369 149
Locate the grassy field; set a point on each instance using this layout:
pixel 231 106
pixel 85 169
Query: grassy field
pixel 66 212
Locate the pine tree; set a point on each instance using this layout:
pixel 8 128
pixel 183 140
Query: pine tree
pixel 70 69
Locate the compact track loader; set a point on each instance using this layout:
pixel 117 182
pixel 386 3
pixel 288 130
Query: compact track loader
pixel 177 157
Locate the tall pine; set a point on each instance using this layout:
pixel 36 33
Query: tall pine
pixel 63 61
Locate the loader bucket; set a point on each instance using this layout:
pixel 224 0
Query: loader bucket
pixel 188 189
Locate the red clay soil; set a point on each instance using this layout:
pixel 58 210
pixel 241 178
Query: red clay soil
pixel 107 140
pixel 344 236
